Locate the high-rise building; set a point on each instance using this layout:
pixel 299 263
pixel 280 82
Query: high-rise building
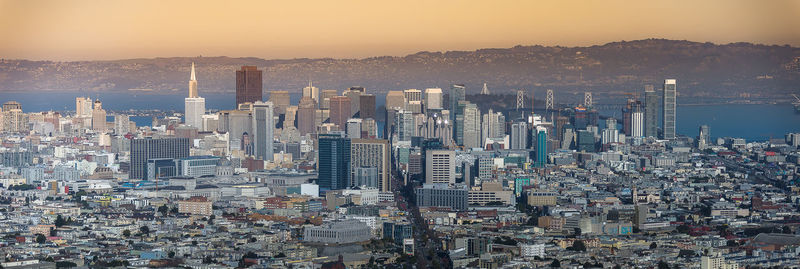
pixel 651 108
pixel 367 106
pixel 13 118
pixel 280 99
pixel 248 85
pixel 83 107
pixel 291 116
pixel 637 124
pixel 311 91
pixel 610 134
pixel 122 124
pixel 519 135
pixel 669 106
pixel 404 125
pixel 413 99
pixel 306 116
pixel 470 125
pixel 194 105
pixel 354 93
pixel 325 97
pixel 263 130
pixel 372 153
pixel 493 126
pixel 98 117
pixel 148 148
pixel 457 93
pixel 395 100
pixel 440 166
pixel 541 146
pixel 334 162
pixel 340 110
pixel 704 137
pixel 353 128
pixel 433 98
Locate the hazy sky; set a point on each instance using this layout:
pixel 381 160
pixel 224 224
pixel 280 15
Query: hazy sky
pixel 110 29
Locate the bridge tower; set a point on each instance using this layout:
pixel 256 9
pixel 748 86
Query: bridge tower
pixel 587 99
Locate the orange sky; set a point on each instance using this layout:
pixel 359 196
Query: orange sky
pixel 110 29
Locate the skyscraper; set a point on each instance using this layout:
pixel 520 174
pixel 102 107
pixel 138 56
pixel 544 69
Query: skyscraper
pixel 150 148
pixel 305 116
pixel 248 85
pixel 519 135
pixel 333 162
pixel 704 137
pixel 83 107
pixel 367 106
pixel 194 105
pixel 98 117
pixel 470 125
pixel 457 93
pixel 541 146
pixel 440 166
pixel 263 130
pixel 280 99
pixel 637 124
pixel 311 91
pixel 325 97
pixel 395 100
pixel 493 126
pixel 433 98
pixel 652 102
pixel 354 93
pixel 340 110
pixel 669 106
pixel 372 153
pixel 404 125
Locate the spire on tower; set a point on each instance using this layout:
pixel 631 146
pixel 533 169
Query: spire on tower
pixel 193 77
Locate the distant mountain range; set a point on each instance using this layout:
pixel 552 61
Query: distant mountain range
pixel 702 70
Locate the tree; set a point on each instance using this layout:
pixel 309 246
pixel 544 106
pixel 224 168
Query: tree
pixel 163 209
pixel 65 264
pixel 126 233
pixel 786 230
pixel 60 221
pixel 578 245
pixel 684 229
pixel 663 265
pixel 555 264
pixel 685 253
pixel 171 254
pixel 40 238
pixel 144 230
pixel 653 245
pixel 577 231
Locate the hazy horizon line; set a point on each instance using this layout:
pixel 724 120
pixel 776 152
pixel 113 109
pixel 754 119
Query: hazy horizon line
pixel 400 55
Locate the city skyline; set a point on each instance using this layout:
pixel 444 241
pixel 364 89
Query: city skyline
pixel 99 30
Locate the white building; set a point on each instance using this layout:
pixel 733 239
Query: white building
pixel 440 166
pixel 433 98
pixel 195 106
pixel 532 250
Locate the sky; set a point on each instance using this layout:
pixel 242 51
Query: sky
pixel 120 29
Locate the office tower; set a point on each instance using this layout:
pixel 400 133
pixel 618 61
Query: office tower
pixel 585 141
pixel 433 98
pixel 311 91
pixel 354 93
pixel 235 123
pixel 194 105
pixel 149 148
pixel 324 98
pixel 440 166
pixel 371 153
pixel 353 128
pixel 14 119
pixel 704 137
pixel 369 128
pixel 404 124
pixel 248 85
pixel 210 122
pixel 493 126
pixel 395 100
pixel 610 134
pixel 632 106
pixel 280 99
pixel 122 124
pixel 541 146
pixel 457 94
pixel 333 164
pixel 637 124
pixel 263 130
pixel 519 135
pixel 469 123
pixel 83 107
pixel 669 106
pixel 306 116
pixel 367 106
pixel 98 117
pixel 290 117
pixel 340 110
pixel 651 107
pixel 321 116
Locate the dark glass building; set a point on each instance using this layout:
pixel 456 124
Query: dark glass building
pixel 248 85
pixel 334 162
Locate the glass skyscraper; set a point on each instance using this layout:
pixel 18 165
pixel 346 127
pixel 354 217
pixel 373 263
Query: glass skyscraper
pixel 334 162
pixel 651 103
pixel 669 105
